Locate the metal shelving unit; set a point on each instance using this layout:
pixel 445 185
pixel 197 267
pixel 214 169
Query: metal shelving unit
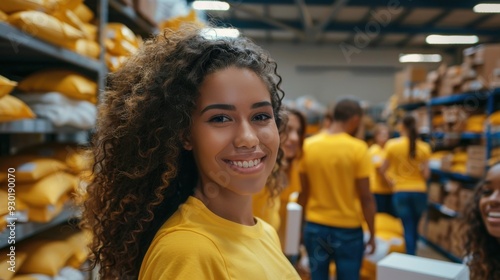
pixel 455 176
pixel 35 126
pixel 26 230
pixel 444 210
pixel 441 250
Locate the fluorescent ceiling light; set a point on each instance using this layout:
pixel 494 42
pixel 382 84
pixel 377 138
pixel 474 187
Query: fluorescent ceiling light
pixel 211 5
pixel 487 8
pixel 451 39
pixel 214 33
pixel 417 57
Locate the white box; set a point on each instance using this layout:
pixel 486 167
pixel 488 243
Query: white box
pixel 293 227
pixel 401 266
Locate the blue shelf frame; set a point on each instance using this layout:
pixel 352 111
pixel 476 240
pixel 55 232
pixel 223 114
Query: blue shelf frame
pixel 455 176
pixel 412 106
pixel 442 251
pixel 463 136
pixel 444 210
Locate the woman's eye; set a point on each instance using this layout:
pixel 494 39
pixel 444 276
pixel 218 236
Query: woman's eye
pixel 219 119
pixel 262 117
pixel 486 192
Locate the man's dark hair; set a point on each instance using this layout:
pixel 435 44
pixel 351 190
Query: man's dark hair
pixel 345 109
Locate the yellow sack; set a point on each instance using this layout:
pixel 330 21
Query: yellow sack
pixel 11 108
pixel 20 258
pixel 78 241
pixel 87 48
pixel 387 223
pixel 114 62
pixel 6 86
pixel 44 256
pixel 459 168
pixel 175 23
pixel 44 214
pixel 495 118
pixel 120 48
pixel 3 16
pixel 47 191
pixel 118 32
pixel 46 27
pixel 67 82
pixel 13 6
pixel 77 159
pixel 31 168
pixel 91 30
pixel 4 206
pixel 69 17
pixel 397 242
pixel 67 4
pixel 84 13
pixel 3 177
pixel 460 157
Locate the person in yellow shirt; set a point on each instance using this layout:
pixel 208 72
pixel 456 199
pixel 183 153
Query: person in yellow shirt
pixel 380 188
pixel 273 210
pixel 187 134
pixel 335 169
pixel 407 163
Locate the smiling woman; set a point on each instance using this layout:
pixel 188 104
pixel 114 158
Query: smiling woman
pixel 483 228
pixel 187 133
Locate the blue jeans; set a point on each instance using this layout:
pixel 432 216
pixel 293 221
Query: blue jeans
pixel 384 204
pixel 344 246
pixel 409 207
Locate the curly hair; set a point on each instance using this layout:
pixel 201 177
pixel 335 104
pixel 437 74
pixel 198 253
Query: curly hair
pixel 481 249
pixel 141 172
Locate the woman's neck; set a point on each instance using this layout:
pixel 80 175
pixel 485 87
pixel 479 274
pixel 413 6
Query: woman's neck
pixel 227 204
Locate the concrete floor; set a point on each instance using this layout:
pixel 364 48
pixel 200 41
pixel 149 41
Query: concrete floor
pixel 428 252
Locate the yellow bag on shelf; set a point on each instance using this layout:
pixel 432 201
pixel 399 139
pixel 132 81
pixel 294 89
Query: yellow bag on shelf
pixel 67 82
pixel 84 13
pixel 78 241
pixel 87 48
pixel 44 256
pixel 114 62
pixel 13 6
pixel 46 27
pixel 47 191
pixel 120 47
pixel 5 273
pixel 6 86
pixel 31 168
pixel 91 30
pixel 387 223
pixel 118 31
pixel 77 159
pixel 44 214
pixel 3 16
pixel 69 17
pixel 11 109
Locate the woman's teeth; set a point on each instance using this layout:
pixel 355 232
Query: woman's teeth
pixel 494 214
pixel 245 163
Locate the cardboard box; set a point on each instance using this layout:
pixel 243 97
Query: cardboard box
pixel 451 201
pixel 401 266
pixel 476 152
pixel 447 162
pixel 484 59
pixel 476 168
pixel 436 193
pixel 414 74
pixel 464 197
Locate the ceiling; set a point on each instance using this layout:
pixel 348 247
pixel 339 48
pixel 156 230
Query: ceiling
pixel 361 23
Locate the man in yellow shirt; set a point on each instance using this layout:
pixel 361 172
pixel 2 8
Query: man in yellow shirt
pixel 336 195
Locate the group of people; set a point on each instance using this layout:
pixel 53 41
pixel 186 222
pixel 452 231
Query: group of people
pixel 194 153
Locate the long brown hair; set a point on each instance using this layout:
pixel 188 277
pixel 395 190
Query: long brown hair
pixel 302 131
pixel 482 249
pixel 409 124
pixel 141 173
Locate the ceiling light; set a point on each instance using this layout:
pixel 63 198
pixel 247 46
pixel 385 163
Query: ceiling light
pixel 451 39
pixel 417 57
pixel 211 5
pixel 214 33
pixel 487 8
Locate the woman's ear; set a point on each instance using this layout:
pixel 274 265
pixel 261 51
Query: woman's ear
pixel 186 141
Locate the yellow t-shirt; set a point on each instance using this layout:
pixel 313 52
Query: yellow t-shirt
pixel 377 184
pixel 405 172
pixel 197 244
pixel 267 209
pixel 332 163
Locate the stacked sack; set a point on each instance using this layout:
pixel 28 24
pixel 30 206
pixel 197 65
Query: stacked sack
pixel 54 254
pixel 64 23
pixel 64 97
pixel 11 108
pixel 120 43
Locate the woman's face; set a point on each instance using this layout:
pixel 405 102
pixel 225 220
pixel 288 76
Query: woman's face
pixel 234 137
pixel 292 141
pixel 489 203
pixel 382 136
